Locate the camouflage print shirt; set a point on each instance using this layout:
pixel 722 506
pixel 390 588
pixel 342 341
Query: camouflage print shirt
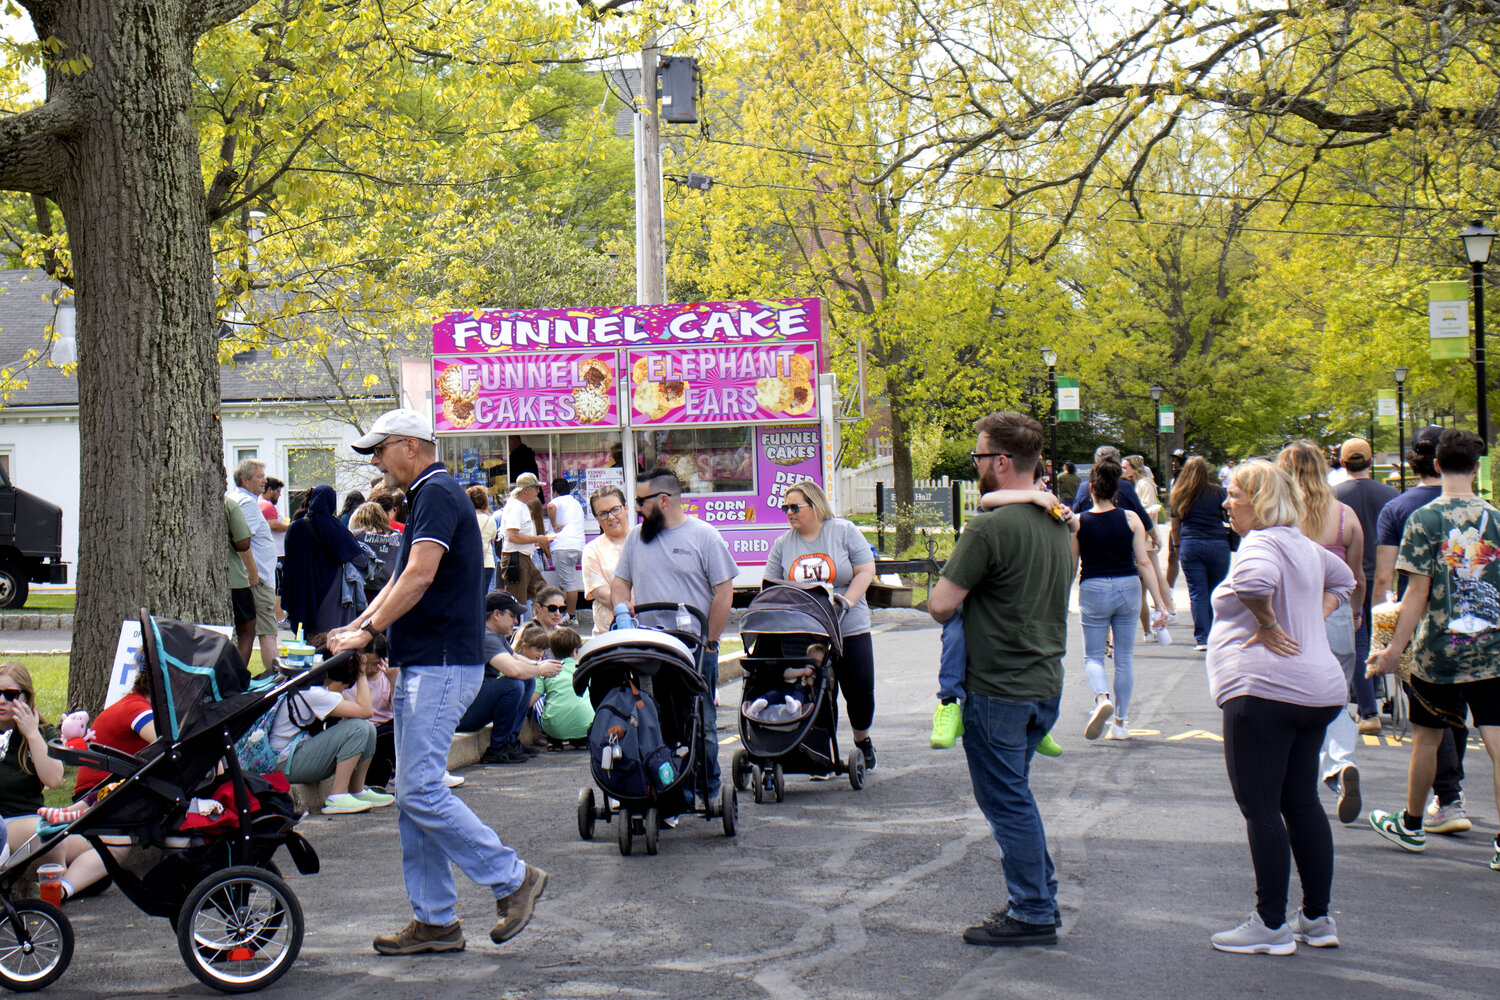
pixel 1456 542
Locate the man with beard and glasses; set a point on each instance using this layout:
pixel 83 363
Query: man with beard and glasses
pixel 1011 571
pixel 677 559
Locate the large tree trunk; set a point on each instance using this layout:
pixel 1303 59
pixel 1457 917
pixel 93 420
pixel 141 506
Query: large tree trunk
pixel 151 525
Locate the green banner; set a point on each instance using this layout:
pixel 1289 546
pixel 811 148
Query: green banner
pixel 1385 407
pixel 1166 420
pixel 1448 319
pixel 1067 399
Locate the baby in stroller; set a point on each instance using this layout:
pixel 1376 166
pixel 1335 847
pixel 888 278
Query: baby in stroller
pixel 786 704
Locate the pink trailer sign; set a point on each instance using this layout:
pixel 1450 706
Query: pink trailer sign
pixel 519 392
pixel 683 325
pixel 783 455
pixel 723 385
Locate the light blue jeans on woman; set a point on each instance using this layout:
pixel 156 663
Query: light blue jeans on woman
pixel 1105 602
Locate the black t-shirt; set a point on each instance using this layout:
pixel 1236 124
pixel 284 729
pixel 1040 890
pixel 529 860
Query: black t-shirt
pixel 445 625
pixel 1367 497
pixel 1204 518
pixel 20 788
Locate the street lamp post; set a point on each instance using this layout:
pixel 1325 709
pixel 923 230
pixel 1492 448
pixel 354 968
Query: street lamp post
pixel 1156 392
pixel 1400 375
pixel 1050 357
pixel 1477 239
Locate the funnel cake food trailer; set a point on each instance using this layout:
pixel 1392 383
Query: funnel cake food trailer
pixel 734 397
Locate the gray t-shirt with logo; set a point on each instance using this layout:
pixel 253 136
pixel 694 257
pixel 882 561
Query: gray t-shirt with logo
pixel 829 559
pixel 681 565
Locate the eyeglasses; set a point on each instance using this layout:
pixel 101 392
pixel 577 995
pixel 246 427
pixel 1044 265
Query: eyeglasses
pixel 976 456
pixel 792 508
pixel 382 446
pixel 556 609
pixel 642 501
pixel 11 694
pixel 612 513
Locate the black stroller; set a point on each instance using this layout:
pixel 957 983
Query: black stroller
pixel 239 926
pixel 647 688
pixel 780 625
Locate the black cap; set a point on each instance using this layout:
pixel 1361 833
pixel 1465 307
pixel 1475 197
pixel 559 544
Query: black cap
pixel 501 600
pixel 1179 453
pixel 1425 441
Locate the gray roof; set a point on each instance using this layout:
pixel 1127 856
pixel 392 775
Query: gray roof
pixel 255 375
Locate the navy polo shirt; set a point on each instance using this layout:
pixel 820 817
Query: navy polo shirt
pixel 446 626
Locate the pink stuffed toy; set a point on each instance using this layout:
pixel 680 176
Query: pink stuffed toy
pixel 75 729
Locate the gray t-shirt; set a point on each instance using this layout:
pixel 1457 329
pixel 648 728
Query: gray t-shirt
pixel 680 565
pixel 830 559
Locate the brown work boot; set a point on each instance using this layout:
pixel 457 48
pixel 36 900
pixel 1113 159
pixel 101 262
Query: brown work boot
pixel 417 937
pixel 514 911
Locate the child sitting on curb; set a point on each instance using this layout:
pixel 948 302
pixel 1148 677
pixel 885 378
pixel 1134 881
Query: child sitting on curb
pixel 311 753
pixel 564 716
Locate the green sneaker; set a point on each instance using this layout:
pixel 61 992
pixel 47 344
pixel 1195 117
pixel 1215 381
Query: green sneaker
pixel 1389 826
pixel 376 799
pixel 1049 747
pixel 338 805
pixel 1495 861
pixel 947 725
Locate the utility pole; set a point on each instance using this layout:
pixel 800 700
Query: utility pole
pixel 650 243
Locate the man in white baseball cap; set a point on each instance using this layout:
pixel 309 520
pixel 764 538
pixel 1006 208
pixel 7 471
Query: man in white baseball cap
pixel 395 423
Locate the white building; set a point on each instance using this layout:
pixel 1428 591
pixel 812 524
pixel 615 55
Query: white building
pixel 288 414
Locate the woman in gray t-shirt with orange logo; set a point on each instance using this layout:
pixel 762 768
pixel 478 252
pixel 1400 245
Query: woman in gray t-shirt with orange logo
pixel 821 548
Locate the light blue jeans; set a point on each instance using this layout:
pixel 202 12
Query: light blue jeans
pixel 1343 732
pixel 1105 602
pixel 437 828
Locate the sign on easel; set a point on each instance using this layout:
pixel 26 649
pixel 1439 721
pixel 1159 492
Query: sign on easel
pixel 128 658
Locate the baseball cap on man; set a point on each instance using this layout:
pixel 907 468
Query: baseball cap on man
pixel 1425 441
pixel 1356 452
pixel 500 600
pixel 402 422
pixel 524 480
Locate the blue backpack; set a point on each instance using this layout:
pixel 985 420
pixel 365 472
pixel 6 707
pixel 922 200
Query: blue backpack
pixel 626 745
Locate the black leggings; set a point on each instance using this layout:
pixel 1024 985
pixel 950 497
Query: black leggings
pixel 1271 752
pixel 856 677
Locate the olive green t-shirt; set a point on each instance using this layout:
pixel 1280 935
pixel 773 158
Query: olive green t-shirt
pixel 20 788
pixel 1015 563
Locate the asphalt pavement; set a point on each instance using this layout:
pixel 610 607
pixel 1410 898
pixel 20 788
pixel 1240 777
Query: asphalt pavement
pixel 838 893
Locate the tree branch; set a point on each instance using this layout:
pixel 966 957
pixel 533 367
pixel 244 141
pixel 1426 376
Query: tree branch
pixel 29 151
pixel 202 16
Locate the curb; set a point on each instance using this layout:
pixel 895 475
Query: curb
pixel 29 622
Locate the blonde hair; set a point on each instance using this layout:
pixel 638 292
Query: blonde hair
pixel 1272 492
pixel 18 673
pixel 1303 461
pixel 816 498
pixel 1138 464
pixel 370 517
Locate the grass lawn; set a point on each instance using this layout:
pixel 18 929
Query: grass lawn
pixel 46 603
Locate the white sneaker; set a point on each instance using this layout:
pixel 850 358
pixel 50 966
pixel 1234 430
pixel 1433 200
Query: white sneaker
pixel 1450 818
pixel 1117 731
pixel 1103 709
pixel 452 780
pixel 1319 933
pixel 1253 937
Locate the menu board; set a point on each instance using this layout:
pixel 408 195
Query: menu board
pixel 723 385
pixel 784 455
pixel 520 392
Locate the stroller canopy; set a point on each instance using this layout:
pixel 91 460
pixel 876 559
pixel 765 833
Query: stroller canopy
pixel 191 671
pixel 786 609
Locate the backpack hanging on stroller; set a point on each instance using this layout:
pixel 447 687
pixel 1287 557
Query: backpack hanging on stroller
pixel 645 756
pixel 780 628
pixel 210 872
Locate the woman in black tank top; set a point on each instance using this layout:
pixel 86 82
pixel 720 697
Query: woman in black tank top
pixel 1113 564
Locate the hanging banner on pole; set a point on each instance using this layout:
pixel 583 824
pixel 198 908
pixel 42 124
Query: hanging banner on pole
pixel 1448 319
pixel 1385 407
pixel 1067 399
pixel 1166 421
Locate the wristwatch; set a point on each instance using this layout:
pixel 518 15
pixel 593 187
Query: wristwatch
pixel 369 626
pixel 713 644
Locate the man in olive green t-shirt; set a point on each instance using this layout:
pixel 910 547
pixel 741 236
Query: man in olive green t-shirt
pixel 1011 571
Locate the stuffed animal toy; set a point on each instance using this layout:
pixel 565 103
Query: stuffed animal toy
pixel 75 729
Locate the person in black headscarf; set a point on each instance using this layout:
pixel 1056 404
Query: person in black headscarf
pixel 317 546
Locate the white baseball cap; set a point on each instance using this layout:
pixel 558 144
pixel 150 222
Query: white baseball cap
pixel 395 423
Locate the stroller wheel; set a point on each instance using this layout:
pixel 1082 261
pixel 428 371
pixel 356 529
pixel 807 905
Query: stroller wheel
pixel 856 769
pixel 240 929
pixel 652 824
pixel 778 782
pixel 627 824
pixel 586 813
pixel 34 954
pixel 729 809
pixel 758 784
pixel 741 770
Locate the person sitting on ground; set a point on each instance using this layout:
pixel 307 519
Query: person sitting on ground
pixel 128 725
pixel 549 608
pixel 564 715
pixel 509 680
pixel 341 751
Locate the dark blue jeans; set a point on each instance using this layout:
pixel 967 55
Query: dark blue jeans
pixel 1205 564
pixel 1000 738
pixel 501 702
pixel 1364 687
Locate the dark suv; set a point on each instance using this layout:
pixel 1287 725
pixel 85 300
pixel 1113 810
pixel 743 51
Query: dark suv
pixel 30 543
